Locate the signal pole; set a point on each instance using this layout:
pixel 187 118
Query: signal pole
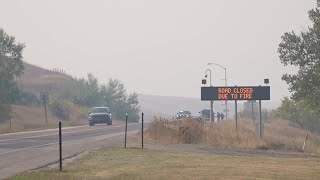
pixel 211 102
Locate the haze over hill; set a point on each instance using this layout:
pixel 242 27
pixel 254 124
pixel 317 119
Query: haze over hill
pixel 159 47
pixel 168 106
pixel 36 79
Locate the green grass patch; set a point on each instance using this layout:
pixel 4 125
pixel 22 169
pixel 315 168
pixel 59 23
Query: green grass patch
pixel 119 163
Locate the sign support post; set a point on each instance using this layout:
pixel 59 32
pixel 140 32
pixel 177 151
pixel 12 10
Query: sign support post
pixel 252 112
pixel 235 93
pixel 236 113
pixel 211 112
pixel 260 129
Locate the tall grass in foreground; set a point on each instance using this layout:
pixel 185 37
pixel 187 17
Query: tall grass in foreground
pixel 278 135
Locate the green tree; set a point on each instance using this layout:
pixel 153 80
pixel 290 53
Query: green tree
pixel 303 51
pixel 115 96
pixel 88 92
pixel 299 114
pixel 11 66
pixel 291 110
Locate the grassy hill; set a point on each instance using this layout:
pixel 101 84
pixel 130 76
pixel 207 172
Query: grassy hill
pixel 36 79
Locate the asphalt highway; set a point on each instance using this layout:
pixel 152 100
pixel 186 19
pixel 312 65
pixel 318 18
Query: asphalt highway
pixel 21 152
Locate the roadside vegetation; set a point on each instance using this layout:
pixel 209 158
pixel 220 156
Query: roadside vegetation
pixel 89 93
pixel 24 118
pixel 301 50
pixel 119 163
pixel 278 135
pixel 11 67
pixel 21 85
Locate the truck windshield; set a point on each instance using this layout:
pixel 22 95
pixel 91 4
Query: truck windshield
pixel 100 110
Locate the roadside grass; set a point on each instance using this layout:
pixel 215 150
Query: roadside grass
pixel 279 135
pixel 26 118
pixel 121 164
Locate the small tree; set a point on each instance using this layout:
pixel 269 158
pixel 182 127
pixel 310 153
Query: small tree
pixel 299 114
pixel 11 66
pixel 303 51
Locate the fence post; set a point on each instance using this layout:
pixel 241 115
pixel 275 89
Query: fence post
pixel 125 138
pixel 60 147
pixel 142 130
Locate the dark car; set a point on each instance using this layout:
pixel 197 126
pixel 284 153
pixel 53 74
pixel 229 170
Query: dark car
pixel 183 114
pixel 99 115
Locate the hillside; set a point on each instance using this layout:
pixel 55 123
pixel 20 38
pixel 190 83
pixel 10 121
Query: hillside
pixel 36 79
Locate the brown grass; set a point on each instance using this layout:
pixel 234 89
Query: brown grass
pixel 32 118
pixel 119 163
pixel 279 135
pixel 36 79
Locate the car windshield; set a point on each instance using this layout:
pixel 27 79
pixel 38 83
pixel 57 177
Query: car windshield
pixel 100 110
pixel 184 112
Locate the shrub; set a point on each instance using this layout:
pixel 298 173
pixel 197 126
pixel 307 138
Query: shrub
pixel 5 112
pixel 26 98
pixel 279 135
pixel 60 109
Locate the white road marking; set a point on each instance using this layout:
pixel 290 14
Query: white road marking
pixel 45 130
pixel 4 140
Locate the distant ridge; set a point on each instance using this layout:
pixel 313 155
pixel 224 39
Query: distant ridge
pixel 36 79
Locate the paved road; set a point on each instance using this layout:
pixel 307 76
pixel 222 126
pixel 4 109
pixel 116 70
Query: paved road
pixel 21 152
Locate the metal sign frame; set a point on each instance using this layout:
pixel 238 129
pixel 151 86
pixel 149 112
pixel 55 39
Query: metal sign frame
pixel 232 93
pixel 237 93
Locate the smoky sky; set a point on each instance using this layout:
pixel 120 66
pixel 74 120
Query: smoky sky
pixel 159 47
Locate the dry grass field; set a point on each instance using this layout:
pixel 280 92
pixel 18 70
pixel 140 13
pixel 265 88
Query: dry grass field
pixel 121 164
pixel 36 79
pixel 279 135
pixel 26 118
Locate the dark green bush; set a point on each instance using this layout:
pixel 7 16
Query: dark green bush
pixel 60 109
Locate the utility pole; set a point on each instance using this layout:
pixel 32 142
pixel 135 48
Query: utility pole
pixel 225 84
pixel 211 102
pixel 44 97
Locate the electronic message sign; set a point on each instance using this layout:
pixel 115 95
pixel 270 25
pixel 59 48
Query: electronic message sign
pixel 235 93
